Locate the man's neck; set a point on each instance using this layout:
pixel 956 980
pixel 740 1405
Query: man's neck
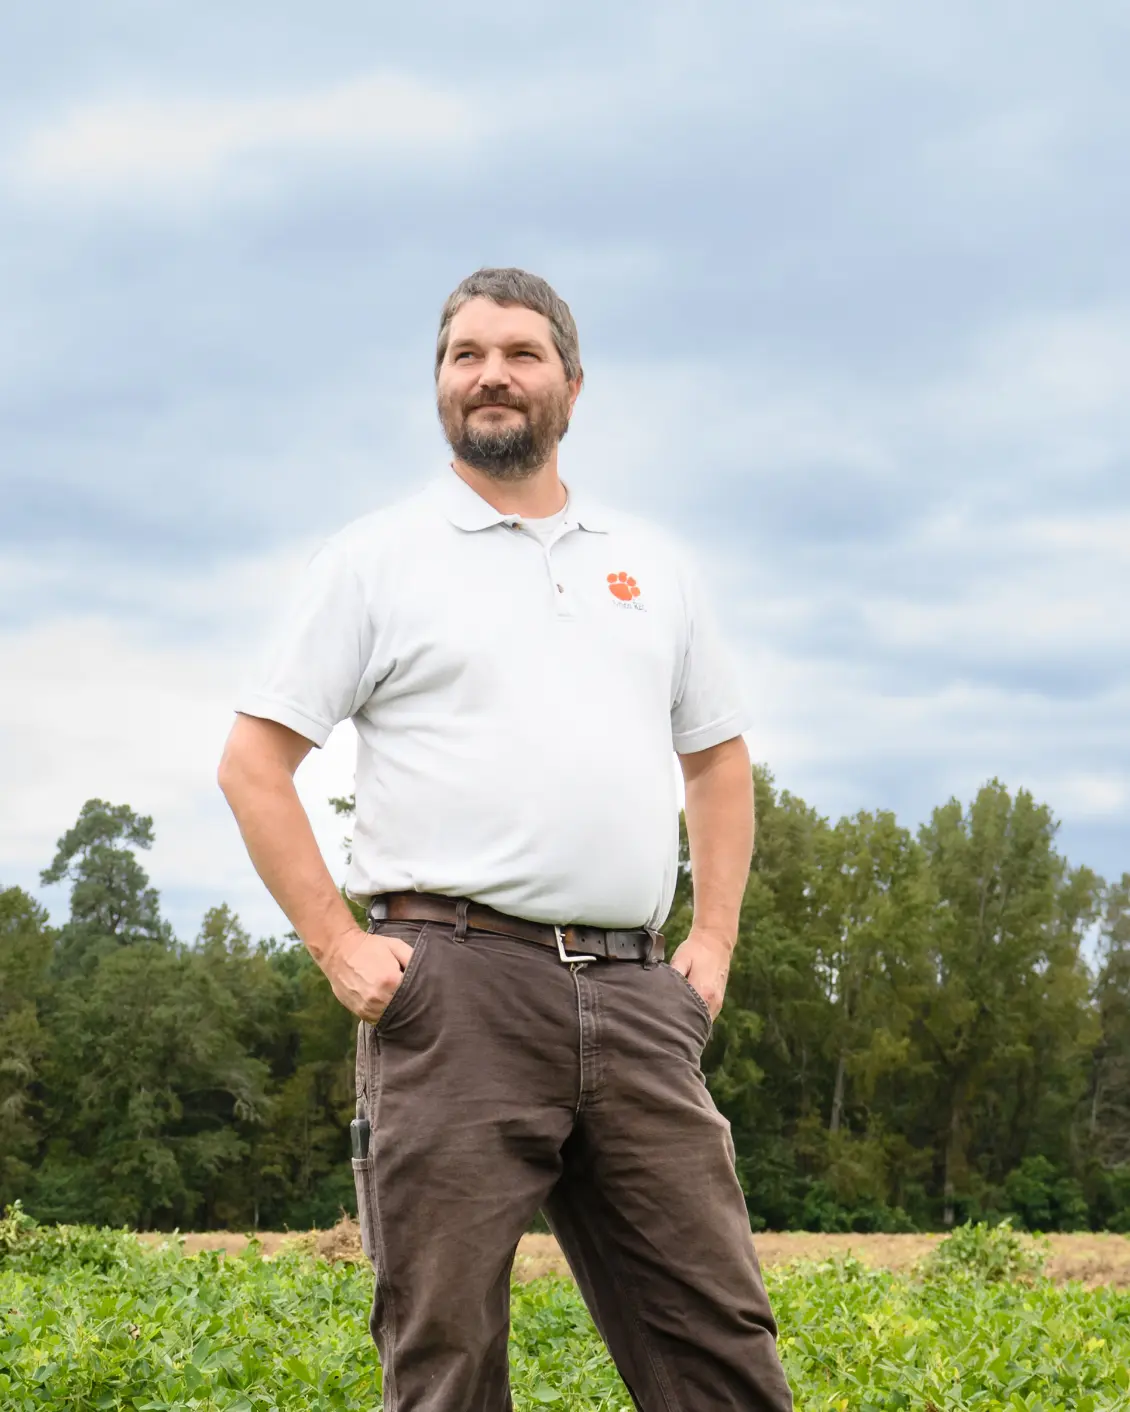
pixel 536 497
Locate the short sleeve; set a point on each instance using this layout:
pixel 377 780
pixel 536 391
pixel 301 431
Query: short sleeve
pixel 707 708
pixel 316 669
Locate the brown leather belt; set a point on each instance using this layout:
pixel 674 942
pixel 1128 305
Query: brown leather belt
pixel 573 944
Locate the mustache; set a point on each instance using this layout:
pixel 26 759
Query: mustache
pixel 496 397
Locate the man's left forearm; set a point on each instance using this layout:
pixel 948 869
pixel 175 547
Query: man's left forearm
pixel 719 814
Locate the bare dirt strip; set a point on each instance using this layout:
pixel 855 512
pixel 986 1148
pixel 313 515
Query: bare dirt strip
pixel 1093 1259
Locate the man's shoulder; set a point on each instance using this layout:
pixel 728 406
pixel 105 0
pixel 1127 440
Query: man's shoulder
pixel 394 525
pixel 630 531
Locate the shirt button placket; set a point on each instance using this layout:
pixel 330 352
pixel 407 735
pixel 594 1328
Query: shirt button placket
pixel 561 604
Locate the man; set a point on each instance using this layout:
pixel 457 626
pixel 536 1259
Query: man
pixel 518 664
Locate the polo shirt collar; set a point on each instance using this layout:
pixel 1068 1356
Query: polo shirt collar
pixel 464 507
pixel 467 510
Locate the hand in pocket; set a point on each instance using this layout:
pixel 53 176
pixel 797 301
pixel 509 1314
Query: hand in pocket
pixel 365 970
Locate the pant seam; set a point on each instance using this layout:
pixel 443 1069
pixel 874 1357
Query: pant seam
pixel 597 1051
pixel 580 1043
pixel 388 1319
pixel 630 1293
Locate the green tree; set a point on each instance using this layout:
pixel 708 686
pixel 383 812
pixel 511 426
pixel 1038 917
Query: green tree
pixel 1043 1199
pixel 149 1080
pixel 149 1085
pixel 263 1025
pixel 764 1059
pixel 111 901
pixel 304 1172
pixel 1006 1019
pixel 873 899
pixel 818 1012
pixel 26 943
pixel 1108 1108
pixel 910 1031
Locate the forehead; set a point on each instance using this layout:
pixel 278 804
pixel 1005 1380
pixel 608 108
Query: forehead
pixel 483 321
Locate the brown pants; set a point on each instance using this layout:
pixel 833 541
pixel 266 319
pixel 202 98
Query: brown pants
pixel 500 1081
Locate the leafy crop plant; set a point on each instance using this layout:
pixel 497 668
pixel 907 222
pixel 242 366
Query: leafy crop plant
pixel 91 1320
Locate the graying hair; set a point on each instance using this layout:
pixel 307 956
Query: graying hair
pixel 508 287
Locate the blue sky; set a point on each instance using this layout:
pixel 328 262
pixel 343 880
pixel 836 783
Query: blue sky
pixel 855 314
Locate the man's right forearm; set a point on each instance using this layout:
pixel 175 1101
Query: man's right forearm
pixel 257 776
pixel 285 853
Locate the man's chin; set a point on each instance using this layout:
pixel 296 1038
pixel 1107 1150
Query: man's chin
pixel 502 457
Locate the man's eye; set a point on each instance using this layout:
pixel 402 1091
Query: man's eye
pixel 525 353
pixel 466 353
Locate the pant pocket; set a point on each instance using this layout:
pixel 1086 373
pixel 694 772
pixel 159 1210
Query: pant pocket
pixel 364 1179
pixel 700 1005
pixel 400 1008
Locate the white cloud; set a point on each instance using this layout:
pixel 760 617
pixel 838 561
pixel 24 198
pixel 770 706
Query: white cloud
pixel 1056 383
pixel 1005 153
pixel 1049 590
pixel 168 142
pixel 888 476
pixel 1085 796
pixel 832 736
pixel 94 706
pixel 666 73
pixel 1043 395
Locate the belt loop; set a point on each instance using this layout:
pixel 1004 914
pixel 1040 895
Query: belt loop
pixel 654 943
pixel 460 933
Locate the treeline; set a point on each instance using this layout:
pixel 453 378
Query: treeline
pixel 919 1029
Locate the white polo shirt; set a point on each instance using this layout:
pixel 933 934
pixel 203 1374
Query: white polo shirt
pixel 516 703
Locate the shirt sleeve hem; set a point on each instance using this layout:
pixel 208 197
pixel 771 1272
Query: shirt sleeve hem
pixel 714 733
pixel 268 708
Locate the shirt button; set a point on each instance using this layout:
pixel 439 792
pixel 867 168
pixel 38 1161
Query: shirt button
pixel 560 589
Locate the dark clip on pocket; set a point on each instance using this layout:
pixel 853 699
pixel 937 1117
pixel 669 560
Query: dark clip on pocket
pixel 359 1137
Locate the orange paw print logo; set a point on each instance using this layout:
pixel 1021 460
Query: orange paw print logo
pixel 623 587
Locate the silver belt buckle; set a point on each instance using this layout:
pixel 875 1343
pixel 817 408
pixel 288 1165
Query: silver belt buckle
pixel 569 958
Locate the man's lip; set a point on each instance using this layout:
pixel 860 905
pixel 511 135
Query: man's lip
pixel 494 407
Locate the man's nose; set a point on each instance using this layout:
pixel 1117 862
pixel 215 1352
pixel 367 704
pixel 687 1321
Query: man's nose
pixel 494 372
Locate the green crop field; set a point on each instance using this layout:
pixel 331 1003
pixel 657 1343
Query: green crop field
pixel 92 1320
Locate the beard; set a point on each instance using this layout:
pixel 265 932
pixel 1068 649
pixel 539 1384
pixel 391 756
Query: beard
pixel 509 452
